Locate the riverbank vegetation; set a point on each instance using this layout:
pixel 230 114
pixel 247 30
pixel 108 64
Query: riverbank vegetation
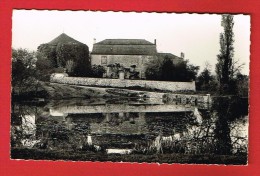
pixel 36 154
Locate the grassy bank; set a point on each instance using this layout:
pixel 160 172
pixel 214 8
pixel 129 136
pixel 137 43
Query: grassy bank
pixel 36 154
pixel 48 90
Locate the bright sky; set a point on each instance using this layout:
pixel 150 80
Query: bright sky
pixel 197 35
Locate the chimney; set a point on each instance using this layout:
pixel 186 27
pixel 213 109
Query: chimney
pixel 94 42
pixel 182 55
pixel 155 41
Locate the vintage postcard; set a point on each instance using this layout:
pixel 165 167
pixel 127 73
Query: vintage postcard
pixel 131 87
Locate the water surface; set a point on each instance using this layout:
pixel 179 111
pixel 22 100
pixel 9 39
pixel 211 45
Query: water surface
pixel 131 130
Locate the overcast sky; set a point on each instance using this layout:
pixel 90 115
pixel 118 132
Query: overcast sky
pixel 196 35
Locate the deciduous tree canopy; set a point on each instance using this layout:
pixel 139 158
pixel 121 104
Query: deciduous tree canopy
pixel 167 71
pixel 23 71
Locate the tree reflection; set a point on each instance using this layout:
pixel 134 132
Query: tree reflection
pixel 229 112
pixel 213 131
pixel 220 130
pixel 222 136
pixel 23 126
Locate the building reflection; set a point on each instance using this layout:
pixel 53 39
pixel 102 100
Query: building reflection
pixel 126 129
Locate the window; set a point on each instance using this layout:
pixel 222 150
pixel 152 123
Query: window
pixel 103 60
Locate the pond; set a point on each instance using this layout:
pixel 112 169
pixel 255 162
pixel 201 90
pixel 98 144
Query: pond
pixel 131 131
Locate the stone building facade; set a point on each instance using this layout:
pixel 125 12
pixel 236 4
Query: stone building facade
pixel 130 56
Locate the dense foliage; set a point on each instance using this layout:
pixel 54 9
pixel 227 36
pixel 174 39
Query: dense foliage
pixel 206 81
pixel 73 58
pixel 97 71
pixel 242 84
pixel 46 53
pixel 24 72
pixel 225 66
pixel 167 71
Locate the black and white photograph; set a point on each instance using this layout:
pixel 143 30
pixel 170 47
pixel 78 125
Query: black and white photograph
pixel 130 87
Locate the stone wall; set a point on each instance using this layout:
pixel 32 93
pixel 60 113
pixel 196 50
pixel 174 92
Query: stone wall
pixel 102 82
pixel 118 108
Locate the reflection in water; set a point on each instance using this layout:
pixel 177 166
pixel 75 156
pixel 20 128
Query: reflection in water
pixel 119 151
pixel 131 129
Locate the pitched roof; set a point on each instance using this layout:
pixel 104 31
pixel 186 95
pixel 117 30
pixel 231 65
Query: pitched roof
pixel 124 42
pixel 124 47
pixel 175 59
pixel 64 38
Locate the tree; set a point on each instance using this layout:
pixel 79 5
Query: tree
pixel 167 71
pixel 183 71
pixel 43 62
pixel 225 68
pixel 78 53
pixel 47 53
pixel 45 65
pixel 97 71
pixel 25 56
pixel 205 80
pixel 242 81
pixel 191 71
pixel 24 71
pixel 153 70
